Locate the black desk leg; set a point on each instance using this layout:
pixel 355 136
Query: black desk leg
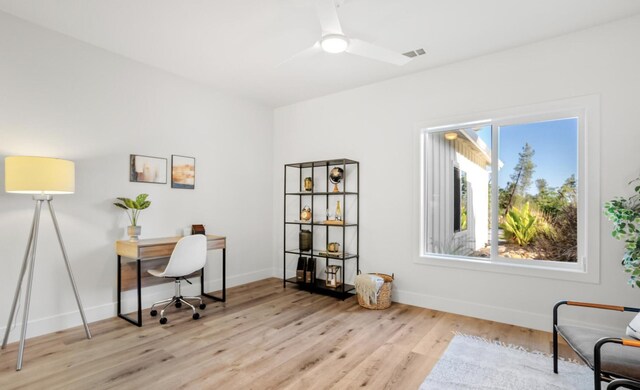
pixel 139 293
pixel 119 276
pixel 124 317
pixel 224 280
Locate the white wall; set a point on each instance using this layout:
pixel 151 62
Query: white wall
pixel 63 98
pixel 376 125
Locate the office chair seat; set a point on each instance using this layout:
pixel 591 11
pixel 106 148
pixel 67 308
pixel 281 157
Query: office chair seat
pixel 189 256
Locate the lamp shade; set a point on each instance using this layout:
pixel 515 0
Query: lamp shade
pixel 39 175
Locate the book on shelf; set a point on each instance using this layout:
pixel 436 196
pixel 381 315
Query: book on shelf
pixel 337 255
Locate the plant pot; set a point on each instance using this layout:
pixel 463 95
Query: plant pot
pixel 134 232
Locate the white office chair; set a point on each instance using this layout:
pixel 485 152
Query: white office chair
pixel 189 255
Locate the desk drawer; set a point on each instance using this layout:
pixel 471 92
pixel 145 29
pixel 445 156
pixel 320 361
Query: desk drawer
pixel 155 251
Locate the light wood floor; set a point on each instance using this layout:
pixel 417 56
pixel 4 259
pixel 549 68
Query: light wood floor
pixel 264 337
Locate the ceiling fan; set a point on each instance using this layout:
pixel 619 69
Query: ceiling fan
pixel 333 40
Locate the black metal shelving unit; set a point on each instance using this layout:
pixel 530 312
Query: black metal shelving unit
pixel 290 250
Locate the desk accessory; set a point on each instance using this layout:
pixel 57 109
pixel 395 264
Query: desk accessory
pixel 300 269
pixel 197 229
pixel 308 184
pixel 42 177
pixel 305 214
pixel 133 207
pixel 305 237
pixel 333 276
pixel 335 177
pixel 310 271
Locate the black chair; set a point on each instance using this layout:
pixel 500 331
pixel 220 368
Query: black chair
pixel 618 363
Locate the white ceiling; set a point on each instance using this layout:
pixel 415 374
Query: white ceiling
pixel 236 45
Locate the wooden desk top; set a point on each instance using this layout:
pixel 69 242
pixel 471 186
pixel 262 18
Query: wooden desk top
pixel 153 248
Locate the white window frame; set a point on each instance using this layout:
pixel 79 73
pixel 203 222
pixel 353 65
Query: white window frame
pixel 587 268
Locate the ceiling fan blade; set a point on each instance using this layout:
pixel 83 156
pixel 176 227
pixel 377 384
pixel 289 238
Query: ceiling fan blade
pixel 328 16
pixel 368 50
pixel 308 52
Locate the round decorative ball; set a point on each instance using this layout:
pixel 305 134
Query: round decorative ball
pixel 336 175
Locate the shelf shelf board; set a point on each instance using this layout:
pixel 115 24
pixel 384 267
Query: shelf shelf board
pixel 323 163
pixel 320 285
pixel 321 193
pixel 317 253
pixel 319 223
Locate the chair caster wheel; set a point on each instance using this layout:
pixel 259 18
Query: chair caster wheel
pixel 163 320
pixel 153 313
pixel 178 304
pixel 202 306
pixel 196 316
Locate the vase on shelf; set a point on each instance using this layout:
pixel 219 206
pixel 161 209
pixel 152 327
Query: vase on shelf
pixel 308 184
pixel 134 232
pixel 338 212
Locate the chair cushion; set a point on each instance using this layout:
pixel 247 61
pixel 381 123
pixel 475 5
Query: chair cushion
pixel 616 359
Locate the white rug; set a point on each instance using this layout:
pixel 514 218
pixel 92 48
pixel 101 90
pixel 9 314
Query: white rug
pixel 475 363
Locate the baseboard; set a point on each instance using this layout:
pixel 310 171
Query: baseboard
pixel 45 325
pixel 505 315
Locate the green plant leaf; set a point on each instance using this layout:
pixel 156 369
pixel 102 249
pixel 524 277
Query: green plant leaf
pixel 141 198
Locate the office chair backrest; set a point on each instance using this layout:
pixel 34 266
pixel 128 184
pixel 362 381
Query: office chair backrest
pixel 189 255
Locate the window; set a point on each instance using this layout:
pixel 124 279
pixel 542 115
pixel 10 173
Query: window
pixel 503 190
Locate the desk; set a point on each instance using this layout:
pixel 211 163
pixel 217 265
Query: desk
pixel 156 248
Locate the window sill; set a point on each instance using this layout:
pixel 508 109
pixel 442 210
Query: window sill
pixel 575 272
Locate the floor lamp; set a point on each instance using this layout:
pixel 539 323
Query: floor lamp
pixel 42 177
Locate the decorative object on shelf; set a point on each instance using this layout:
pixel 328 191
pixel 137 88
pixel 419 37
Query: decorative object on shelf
pixel 333 276
pixel 183 172
pixel 308 184
pixel 383 296
pixel 336 255
pixel 624 213
pixel 333 247
pixel 304 239
pixel 41 177
pixel 301 269
pixel 147 169
pixel 197 229
pixel 333 222
pixel 310 271
pixel 133 208
pixel 335 176
pixel 305 214
pixel 338 211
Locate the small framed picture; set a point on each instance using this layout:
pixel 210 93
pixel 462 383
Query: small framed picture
pixel 183 172
pixel 147 169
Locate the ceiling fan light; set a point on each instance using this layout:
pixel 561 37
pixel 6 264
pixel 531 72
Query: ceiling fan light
pixel 334 43
pixel 451 136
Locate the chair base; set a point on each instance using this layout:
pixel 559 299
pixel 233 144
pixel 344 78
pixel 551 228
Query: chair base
pixel 178 300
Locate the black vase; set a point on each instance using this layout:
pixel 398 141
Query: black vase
pixel 305 240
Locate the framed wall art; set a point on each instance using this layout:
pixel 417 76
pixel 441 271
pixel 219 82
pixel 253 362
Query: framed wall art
pixel 183 172
pixel 147 169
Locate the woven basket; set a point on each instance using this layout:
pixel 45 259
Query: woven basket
pixel 384 295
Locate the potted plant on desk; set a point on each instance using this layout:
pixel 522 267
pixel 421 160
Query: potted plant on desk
pixel 133 208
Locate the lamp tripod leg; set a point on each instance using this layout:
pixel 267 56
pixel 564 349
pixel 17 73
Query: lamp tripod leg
pixel 27 299
pixel 19 286
pixel 66 262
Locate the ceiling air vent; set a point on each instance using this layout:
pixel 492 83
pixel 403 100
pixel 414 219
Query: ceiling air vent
pixel 415 53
